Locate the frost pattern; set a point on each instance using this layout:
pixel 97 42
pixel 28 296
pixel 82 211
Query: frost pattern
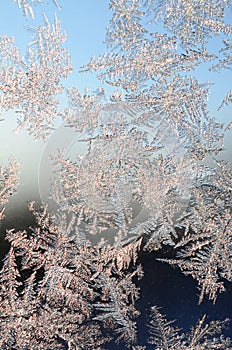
pixel 9 181
pixel 206 246
pixel 58 294
pixel 146 145
pixel 31 85
pixel 80 287
pixel 126 164
pixel 193 22
pixel 164 336
pixel 151 71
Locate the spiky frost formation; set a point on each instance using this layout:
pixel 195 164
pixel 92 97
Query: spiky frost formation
pixel 9 181
pixel 27 6
pixel 31 85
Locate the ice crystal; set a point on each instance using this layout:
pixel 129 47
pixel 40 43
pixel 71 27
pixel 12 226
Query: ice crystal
pixel 193 22
pixel 27 6
pixel 206 246
pixel 31 85
pixel 164 336
pixel 9 180
pixel 79 286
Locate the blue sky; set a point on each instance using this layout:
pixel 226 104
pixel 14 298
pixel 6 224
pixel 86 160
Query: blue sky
pixel 84 23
